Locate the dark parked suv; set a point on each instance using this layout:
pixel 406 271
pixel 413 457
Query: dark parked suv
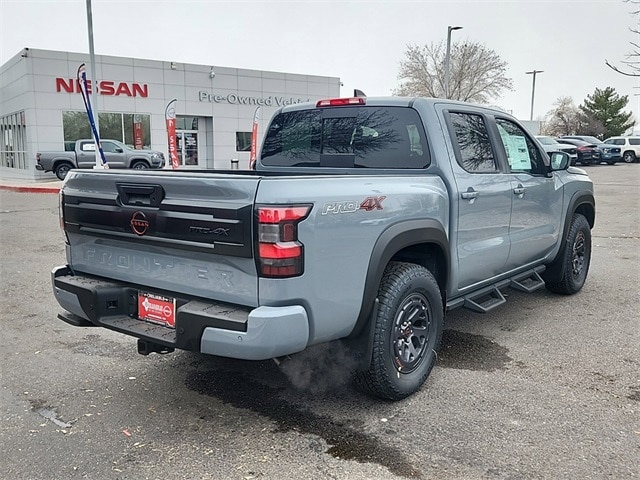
pixel 608 153
pixel 588 153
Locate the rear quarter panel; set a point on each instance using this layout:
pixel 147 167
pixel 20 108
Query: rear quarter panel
pixel 339 236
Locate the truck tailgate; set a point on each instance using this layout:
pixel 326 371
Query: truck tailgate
pixel 184 232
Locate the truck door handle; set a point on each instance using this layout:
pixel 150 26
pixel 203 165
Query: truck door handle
pixel 470 194
pixel 519 190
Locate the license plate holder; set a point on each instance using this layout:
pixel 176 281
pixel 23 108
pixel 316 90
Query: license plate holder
pixel 156 308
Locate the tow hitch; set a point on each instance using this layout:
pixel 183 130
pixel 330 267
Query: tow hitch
pixel 145 348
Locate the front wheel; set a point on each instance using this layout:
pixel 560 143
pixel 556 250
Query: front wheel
pixel 576 258
pixel 140 165
pixel 629 157
pixel 408 331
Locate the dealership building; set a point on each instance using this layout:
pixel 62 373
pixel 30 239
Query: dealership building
pixel 42 109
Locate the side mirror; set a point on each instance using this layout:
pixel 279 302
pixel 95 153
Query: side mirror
pixel 559 161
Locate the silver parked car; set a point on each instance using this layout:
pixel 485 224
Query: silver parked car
pixel 550 145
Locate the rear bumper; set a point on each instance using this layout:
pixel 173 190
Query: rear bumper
pixel 201 325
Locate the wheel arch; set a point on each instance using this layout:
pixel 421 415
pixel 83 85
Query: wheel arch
pixel 134 160
pixel 584 203
pixel 423 242
pixel 59 161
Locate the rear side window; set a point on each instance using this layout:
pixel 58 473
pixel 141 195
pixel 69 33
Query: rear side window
pixel 88 147
pixel 634 141
pixel 347 137
pixel 474 151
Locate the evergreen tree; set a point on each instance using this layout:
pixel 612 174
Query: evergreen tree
pixel 605 106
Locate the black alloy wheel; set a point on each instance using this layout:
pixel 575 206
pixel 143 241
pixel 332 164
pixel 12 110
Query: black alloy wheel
pixel 411 332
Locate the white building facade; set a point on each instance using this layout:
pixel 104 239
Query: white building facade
pixel 42 109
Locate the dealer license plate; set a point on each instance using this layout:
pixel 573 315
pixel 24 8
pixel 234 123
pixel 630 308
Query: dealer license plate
pixel 157 309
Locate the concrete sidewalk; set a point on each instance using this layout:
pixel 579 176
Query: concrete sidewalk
pixel 30 186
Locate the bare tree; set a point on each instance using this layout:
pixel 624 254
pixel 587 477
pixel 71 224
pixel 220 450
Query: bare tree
pixel 632 64
pixel 476 73
pixel 568 119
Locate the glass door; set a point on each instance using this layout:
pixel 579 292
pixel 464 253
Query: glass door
pixel 187 141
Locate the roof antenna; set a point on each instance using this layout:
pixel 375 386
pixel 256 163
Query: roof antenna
pixel 358 93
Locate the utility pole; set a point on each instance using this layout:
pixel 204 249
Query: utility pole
pixel 533 88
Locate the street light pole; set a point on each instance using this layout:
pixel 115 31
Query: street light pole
pixel 447 60
pixel 533 88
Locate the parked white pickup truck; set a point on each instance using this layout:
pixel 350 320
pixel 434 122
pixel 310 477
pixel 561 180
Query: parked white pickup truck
pixel 118 155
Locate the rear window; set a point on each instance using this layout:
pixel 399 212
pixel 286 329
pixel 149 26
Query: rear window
pixel 347 137
pixel 634 141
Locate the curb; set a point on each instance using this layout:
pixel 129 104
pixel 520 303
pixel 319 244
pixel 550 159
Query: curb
pixel 30 189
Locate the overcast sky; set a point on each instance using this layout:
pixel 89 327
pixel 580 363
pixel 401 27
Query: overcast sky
pixel 362 42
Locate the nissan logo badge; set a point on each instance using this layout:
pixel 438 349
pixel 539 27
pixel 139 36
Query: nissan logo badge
pixel 139 223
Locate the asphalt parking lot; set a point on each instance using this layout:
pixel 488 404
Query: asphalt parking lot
pixel 544 387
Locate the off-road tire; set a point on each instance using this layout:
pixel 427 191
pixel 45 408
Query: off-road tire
pixel 408 331
pixel 62 169
pixel 575 259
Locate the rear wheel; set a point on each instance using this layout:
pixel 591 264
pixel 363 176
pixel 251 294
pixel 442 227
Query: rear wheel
pixel 575 259
pixel 408 332
pixel 629 157
pixel 62 169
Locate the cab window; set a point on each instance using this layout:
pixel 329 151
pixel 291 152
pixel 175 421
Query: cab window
pixel 472 144
pixel 522 153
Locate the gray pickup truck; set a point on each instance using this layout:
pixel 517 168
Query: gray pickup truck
pixel 118 155
pixel 365 220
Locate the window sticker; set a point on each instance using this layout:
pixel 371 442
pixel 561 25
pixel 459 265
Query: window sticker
pixel 517 151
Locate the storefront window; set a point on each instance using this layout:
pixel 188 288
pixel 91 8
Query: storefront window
pixel 13 141
pixel 186 123
pixel 243 141
pixel 132 129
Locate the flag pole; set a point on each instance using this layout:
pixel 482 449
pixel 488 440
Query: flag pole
pixel 94 84
pixel 254 139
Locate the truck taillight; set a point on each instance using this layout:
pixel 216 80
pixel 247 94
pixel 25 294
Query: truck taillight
pixel 280 254
pixel 61 214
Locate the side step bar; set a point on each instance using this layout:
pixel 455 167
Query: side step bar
pixel 488 298
pixel 527 282
pixel 485 300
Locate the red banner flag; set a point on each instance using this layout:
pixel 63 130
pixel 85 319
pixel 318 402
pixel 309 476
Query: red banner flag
pixel 138 140
pixel 254 140
pixel 170 117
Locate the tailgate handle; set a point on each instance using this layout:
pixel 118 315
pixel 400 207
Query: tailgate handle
pixel 140 195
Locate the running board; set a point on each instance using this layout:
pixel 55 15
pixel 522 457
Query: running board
pixel 485 301
pixel 490 297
